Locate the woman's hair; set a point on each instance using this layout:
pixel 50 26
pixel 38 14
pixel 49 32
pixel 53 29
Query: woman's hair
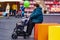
pixel 37 5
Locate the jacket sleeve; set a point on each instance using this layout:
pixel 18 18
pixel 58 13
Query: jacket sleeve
pixel 35 13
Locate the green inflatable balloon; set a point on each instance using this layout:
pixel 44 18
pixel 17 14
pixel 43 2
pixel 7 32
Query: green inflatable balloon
pixel 26 4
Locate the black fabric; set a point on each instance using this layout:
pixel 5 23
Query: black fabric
pixel 30 27
pixel 14 12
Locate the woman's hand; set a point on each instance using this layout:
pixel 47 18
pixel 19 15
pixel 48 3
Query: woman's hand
pixel 45 11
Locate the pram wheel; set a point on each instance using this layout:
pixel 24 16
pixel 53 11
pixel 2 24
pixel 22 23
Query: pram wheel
pixel 14 36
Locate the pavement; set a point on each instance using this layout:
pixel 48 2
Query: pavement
pixel 7 26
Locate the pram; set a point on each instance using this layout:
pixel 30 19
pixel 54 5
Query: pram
pixel 19 29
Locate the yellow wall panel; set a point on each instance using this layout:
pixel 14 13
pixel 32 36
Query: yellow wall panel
pixel 54 33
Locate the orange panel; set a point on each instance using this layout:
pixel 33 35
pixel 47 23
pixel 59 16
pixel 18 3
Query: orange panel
pixel 41 31
pixel 36 33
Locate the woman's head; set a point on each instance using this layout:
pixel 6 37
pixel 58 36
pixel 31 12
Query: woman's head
pixel 7 3
pixel 36 5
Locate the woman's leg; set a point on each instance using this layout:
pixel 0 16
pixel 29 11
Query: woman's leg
pixel 7 15
pixel 29 28
pixel 14 12
pixel 22 13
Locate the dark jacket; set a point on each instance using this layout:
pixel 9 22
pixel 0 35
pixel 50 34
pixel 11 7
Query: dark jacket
pixel 22 8
pixel 37 15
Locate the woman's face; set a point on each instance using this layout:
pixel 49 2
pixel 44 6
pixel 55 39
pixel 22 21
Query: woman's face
pixel 34 7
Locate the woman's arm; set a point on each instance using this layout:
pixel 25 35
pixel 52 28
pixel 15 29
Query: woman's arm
pixel 36 13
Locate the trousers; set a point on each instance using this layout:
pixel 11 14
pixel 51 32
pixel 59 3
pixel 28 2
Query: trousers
pixel 30 27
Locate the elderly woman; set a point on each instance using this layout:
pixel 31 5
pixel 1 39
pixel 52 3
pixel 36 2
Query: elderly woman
pixel 35 17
